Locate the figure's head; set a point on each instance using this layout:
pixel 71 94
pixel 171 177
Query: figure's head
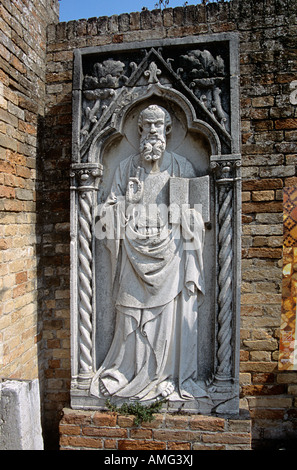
pixel 154 124
pixel 154 120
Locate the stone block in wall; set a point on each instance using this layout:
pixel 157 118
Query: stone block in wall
pixel 20 425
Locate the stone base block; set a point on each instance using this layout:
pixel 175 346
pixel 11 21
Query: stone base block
pixel 20 421
pixel 81 430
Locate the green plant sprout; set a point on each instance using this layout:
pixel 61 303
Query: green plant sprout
pixel 142 413
pixel 162 4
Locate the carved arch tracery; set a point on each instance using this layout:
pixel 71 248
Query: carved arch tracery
pixel 115 129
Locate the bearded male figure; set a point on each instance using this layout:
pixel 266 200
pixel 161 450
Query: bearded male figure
pixel 158 276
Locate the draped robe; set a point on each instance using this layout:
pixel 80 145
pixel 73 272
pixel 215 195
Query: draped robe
pixel 157 270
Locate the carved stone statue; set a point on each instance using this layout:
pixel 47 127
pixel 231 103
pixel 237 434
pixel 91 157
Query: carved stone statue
pixel 157 269
pixel 155 224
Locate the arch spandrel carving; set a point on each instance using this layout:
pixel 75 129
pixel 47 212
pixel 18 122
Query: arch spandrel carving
pixel 192 83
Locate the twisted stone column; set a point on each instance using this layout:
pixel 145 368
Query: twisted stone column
pixel 85 280
pixel 225 283
pixel 225 175
pixel 86 182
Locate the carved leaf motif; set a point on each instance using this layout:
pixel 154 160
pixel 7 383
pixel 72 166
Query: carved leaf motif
pixel 201 64
pixel 112 67
pixel 106 75
pixel 90 83
pixel 203 74
pixel 93 111
pixel 93 95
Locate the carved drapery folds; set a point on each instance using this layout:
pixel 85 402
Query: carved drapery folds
pixel 197 81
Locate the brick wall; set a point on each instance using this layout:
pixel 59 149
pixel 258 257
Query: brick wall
pixel 22 94
pixel 85 430
pixel 268 65
pixel 267 31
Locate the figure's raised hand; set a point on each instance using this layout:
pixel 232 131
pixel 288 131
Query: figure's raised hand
pixel 135 187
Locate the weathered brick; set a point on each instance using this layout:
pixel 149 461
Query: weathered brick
pixel 141 445
pixel 79 417
pixel 207 423
pixel 179 446
pixel 157 422
pixel 246 196
pixel 176 421
pixel 21 277
pixel 226 438
pixel 258 366
pixel 262 345
pixel 263 252
pixel 125 421
pixel 134 21
pixel 110 444
pixel 239 425
pixel 258 196
pixel 104 419
pixel 250 207
pixel 267 414
pixel 103 432
pixel 290 123
pixel 262 184
pixel 289 377
pixel 180 435
pixel 202 446
pixel 7 192
pixel 263 101
pixel 70 429
pixel 80 442
pixel 270 402
pixel 141 434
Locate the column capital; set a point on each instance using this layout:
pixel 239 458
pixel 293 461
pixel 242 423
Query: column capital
pixel 85 176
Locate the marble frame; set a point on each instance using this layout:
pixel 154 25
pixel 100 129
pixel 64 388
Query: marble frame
pixel 87 171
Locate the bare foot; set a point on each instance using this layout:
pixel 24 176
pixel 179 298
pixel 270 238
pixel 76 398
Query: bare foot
pixel 103 389
pixel 166 388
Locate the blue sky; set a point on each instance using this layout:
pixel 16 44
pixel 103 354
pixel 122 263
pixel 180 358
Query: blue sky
pixel 77 9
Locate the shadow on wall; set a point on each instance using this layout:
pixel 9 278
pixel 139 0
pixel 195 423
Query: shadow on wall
pixel 53 215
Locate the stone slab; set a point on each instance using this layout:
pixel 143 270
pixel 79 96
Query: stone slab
pixel 20 424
